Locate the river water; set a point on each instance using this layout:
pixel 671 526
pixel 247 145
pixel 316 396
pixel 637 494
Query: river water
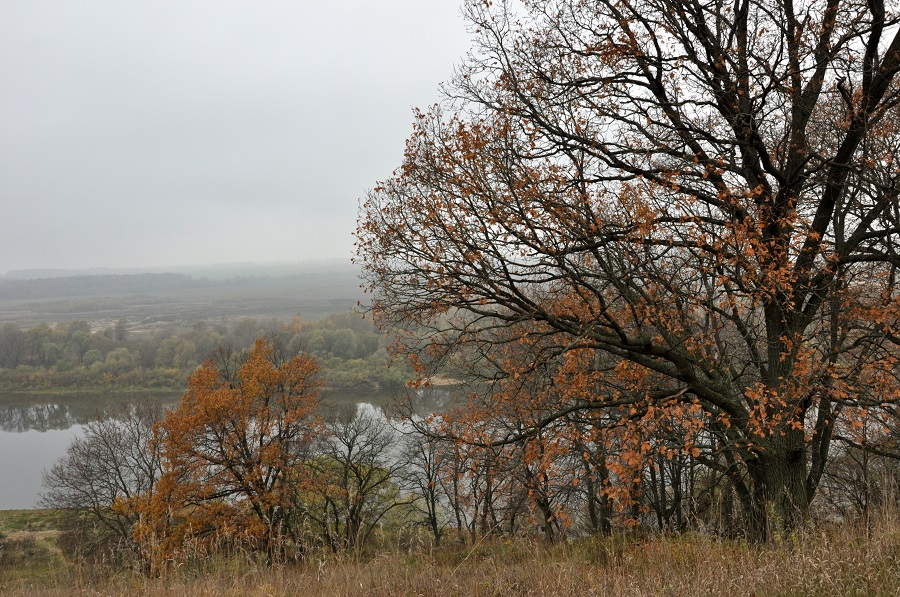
pixel 35 431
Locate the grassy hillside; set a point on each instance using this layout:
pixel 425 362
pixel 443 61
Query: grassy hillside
pixel 841 560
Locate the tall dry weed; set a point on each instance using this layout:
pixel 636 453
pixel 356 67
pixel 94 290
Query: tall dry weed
pixel 851 559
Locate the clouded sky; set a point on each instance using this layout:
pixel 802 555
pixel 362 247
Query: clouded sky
pixel 180 132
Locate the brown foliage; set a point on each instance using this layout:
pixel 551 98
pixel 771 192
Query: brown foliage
pixel 690 209
pixel 234 455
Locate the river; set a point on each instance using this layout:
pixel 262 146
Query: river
pixel 36 429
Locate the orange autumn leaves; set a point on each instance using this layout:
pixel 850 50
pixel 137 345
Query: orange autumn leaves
pixel 233 454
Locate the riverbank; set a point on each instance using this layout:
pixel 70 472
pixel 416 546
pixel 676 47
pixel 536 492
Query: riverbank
pixel 846 559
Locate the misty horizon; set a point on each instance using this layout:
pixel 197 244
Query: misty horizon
pixel 133 135
pixel 297 264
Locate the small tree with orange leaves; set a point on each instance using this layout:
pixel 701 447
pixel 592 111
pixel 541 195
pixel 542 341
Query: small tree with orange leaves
pixel 234 456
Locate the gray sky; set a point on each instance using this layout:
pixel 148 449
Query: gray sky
pixel 178 132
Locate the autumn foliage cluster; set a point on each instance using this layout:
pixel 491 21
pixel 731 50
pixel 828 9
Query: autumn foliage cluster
pixel 232 454
pixel 245 462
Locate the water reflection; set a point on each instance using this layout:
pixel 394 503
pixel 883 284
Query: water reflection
pixel 26 412
pixel 35 430
pixel 23 458
pixel 40 417
pixel 45 412
pixel 421 401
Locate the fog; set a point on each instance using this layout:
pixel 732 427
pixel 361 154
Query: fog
pixel 189 132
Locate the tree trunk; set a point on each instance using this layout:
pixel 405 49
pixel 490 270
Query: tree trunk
pixel 779 499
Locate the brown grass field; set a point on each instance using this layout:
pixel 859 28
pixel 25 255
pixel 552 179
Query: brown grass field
pixel 850 559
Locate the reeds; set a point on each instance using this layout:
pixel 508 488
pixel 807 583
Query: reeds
pixel 847 559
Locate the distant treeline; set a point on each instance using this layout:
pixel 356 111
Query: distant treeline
pixel 316 281
pixel 350 351
pixel 97 285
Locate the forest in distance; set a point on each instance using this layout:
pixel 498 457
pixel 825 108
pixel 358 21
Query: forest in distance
pixel 149 331
pixel 72 357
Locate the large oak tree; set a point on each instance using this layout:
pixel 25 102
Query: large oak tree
pixel 702 193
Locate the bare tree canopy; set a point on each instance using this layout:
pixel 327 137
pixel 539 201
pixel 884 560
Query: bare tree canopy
pixel 116 461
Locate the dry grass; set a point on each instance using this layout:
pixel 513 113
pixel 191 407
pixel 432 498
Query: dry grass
pixel 842 560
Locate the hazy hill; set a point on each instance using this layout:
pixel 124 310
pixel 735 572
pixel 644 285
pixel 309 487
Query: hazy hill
pixel 201 292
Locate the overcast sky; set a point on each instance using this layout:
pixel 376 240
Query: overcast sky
pixel 182 132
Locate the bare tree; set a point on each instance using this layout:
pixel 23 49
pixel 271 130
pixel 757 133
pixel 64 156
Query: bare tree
pixel 117 458
pixel 419 472
pixel 355 467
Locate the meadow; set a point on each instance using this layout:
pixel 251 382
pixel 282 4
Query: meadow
pixel 860 558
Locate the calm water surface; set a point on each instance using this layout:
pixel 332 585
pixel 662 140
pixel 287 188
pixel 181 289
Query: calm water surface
pixel 36 430
pixel 25 454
